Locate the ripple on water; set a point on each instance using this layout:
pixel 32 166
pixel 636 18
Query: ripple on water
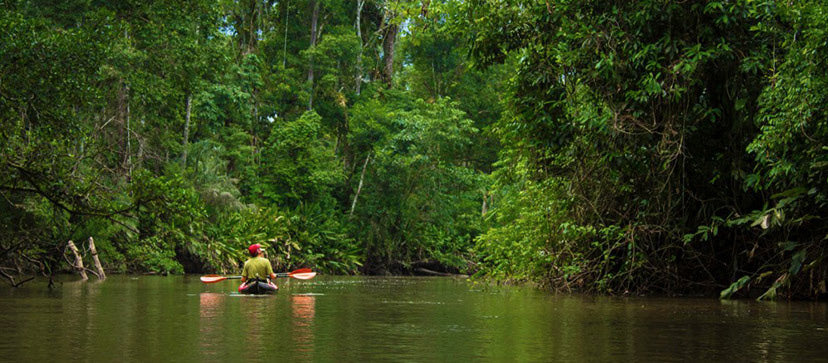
pixel 410 302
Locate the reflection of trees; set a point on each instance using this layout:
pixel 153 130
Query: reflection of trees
pixel 80 312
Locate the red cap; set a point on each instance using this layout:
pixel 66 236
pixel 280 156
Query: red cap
pixel 254 249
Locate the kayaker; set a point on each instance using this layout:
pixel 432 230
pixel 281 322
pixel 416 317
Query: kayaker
pixel 257 266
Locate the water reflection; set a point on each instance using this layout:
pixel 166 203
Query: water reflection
pixel 212 305
pixel 303 308
pixel 766 325
pixel 211 309
pixel 256 324
pixel 78 314
pixel 392 319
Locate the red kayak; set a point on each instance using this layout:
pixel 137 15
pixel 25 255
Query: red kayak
pixel 256 286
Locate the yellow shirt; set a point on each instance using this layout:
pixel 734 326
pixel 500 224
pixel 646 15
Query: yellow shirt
pixel 257 267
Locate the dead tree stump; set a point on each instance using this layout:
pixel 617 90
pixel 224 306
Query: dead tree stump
pixel 78 261
pixel 98 266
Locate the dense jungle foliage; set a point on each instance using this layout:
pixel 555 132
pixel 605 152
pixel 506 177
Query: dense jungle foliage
pixel 618 147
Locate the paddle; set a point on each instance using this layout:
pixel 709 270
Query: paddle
pixel 302 274
pixel 209 279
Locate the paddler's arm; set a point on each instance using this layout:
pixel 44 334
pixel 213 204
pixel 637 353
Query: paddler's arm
pixel 270 270
pixel 244 273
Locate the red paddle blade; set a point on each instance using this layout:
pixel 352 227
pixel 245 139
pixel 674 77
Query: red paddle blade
pixel 301 270
pixel 303 275
pixel 209 279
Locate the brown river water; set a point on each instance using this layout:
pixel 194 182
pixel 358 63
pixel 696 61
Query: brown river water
pixel 409 319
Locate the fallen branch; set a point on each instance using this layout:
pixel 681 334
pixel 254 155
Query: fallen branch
pixel 436 273
pixel 11 279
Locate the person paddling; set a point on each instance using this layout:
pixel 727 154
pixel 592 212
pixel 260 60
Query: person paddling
pixel 257 267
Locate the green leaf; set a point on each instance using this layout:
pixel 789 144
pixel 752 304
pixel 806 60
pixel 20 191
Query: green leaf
pixel 734 287
pixel 796 262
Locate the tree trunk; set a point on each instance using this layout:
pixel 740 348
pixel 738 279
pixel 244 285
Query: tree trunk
pixel 255 15
pixel 129 141
pixel 359 188
pixel 388 53
pixel 186 130
pixel 358 88
pixel 252 14
pixel 342 138
pixel 284 50
pixel 98 266
pixel 78 265
pixel 123 111
pixel 314 21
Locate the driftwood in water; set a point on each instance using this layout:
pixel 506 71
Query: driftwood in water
pixel 98 266
pixel 435 273
pixel 78 265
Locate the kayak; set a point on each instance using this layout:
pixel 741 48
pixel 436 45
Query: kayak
pixel 258 287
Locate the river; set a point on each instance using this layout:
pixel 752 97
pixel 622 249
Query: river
pixel 335 318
